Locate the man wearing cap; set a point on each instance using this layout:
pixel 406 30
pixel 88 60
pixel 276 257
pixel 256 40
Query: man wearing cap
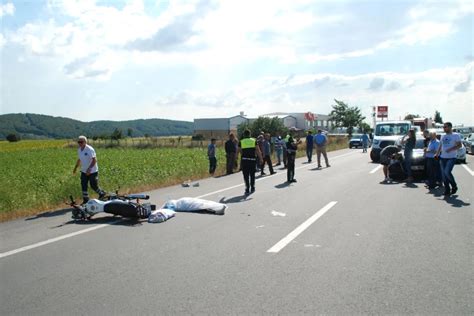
pixel 248 152
pixel 89 168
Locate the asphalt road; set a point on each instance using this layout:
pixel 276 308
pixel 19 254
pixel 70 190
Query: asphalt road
pixel 376 249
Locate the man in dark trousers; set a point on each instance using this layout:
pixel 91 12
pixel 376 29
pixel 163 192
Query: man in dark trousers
pixel 230 154
pixel 249 151
pixel 291 148
pixel 309 146
pixel 89 169
pixel 267 154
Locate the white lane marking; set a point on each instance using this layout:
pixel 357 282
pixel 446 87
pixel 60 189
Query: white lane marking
pixel 468 170
pixel 376 169
pixel 298 230
pixel 49 241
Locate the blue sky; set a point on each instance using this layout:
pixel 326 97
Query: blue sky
pixel 119 59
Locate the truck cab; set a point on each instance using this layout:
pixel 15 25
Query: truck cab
pixel 387 133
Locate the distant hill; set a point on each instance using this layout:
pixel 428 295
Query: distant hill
pixel 37 126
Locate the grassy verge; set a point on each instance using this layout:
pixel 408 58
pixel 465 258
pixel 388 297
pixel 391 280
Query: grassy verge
pixel 37 175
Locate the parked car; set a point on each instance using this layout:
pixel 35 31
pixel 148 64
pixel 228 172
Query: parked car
pixel 418 164
pixel 396 168
pixel 355 141
pixel 468 142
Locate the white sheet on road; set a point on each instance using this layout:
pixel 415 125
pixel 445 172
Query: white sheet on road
pixel 188 204
pixel 161 215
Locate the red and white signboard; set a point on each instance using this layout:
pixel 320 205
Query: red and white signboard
pixel 382 111
pixel 309 116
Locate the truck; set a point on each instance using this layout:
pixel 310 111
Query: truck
pixel 387 133
pixel 423 123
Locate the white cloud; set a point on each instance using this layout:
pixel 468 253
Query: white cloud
pixel 316 93
pixel 7 9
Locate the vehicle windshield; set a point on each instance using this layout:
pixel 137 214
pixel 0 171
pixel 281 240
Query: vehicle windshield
pixel 391 129
pixel 420 143
pixel 356 136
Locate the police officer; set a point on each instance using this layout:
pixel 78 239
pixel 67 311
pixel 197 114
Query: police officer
pixel 248 152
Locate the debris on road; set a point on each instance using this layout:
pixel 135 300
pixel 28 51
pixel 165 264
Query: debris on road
pixel 275 213
pixel 161 215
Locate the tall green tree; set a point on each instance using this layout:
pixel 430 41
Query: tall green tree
pixel 344 115
pixel 272 125
pixel 438 118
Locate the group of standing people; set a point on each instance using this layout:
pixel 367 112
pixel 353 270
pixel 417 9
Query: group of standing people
pixel 255 153
pixel 440 157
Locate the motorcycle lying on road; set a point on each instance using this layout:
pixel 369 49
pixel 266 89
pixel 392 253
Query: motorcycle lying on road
pixel 124 205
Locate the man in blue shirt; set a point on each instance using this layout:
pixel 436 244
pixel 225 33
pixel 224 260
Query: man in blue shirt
pixel 309 145
pixel 211 154
pixel 267 155
pixel 432 164
pixel 364 139
pixel 321 141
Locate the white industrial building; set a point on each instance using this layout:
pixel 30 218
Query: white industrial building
pixel 221 127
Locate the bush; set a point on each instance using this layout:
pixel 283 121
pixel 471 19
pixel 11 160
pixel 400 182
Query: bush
pixel 197 137
pixel 13 137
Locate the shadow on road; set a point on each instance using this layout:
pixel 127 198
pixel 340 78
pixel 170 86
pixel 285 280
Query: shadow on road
pixel 111 220
pixel 235 199
pixel 282 185
pixel 455 202
pixel 49 214
pixel 410 185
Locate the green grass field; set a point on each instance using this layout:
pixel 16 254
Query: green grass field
pixel 37 175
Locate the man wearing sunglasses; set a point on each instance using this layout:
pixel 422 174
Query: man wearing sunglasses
pixel 447 152
pixel 89 169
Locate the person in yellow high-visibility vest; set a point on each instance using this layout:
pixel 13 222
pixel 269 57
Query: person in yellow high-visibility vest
pixel 249 151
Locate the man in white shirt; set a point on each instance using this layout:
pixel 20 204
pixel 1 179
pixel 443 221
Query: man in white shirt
pixel 89 168
pixel 447 152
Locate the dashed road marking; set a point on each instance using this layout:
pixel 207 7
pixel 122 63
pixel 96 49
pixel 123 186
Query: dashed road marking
pixel 376 169
pixel 468 170
pixel 298 230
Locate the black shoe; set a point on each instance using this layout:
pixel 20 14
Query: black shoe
pixel 252 190
pixel 447 192
pixel 263 174
pixel 247 192
pixel 294 180
pixel 272 172
pixel 454 190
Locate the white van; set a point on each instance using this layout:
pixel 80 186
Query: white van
pixel 387 133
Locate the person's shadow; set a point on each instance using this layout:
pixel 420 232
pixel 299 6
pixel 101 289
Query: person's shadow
pixel 410 185
pixel 455 202
pixel 235 199
pixel 282 185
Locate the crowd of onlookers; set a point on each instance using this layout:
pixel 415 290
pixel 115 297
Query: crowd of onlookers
pixel 265 145
pixel 440 158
